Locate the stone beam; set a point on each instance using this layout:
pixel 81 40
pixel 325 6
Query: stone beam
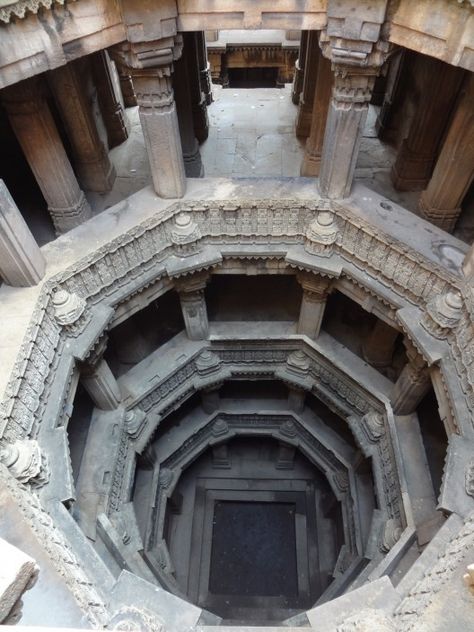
pixel 48 39
pixel 205 15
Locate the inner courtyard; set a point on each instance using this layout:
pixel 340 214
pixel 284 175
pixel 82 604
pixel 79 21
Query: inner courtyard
pixel 237 303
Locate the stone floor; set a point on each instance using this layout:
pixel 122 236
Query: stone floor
pixel 252 134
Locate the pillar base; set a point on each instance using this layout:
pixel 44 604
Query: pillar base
pixel 65 219
pixel 411 172
pixel 193 166
pixel 311 165
pixel 201 121
pixel 303 121
pixel 443 218
pixel 97 175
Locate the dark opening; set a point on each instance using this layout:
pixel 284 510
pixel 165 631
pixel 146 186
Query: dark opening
pixel 253 77
pixel 434 436
pixel 78 428
pixel 254 550
pixel 253 298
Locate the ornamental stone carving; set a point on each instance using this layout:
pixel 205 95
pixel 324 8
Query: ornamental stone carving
pixel 68 308
pixel 469 478
pixel 219 428
pixel 443 314
pixel 288 429
pixel 298 363
pixel 25 461
pixel 184 235
pixel 132 619
pixel 134 421
pixel 321 234
pixel 390 535
pixel 207 362
pixel 165 478
pixel 374 426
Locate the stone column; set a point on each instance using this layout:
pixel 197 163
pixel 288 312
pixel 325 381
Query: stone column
pixel 314 143
pixel 348 109
pixel 441 202
pixel 299 69
pixel 303 119
pixel 198 99
pixel 151 65
pixel 378 348
pixel 190 146
pixel 315 292
pixel 394 93
pixel 417 155
pixel 126 85
pixel 193 305
pixel 94 169
pixel 34 127
pixel 296 398
pixel 412 385
pixel 99 381
pixel 204 67
pixel 113 114
pixel 210 399
pixel 21 261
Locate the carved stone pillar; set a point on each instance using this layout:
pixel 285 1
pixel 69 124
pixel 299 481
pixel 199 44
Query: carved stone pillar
pixel 151 65
pixel 93 167
pixel 393 93
pixel 34 127
pixel 126 85
pixel 344 127
pixel 296 398
pixel 198 98
pixel 182 86
pixel 315 292
pixel 21 261
pixel 303 119
pixel 299 69
pixel 441 202
pixel 412 385
pixel 322 96
pixel 100 383
pixel 204 67
pixel 379 346
pixel 417 154
pixel 193 305
pixel 114 117
pixel 210 399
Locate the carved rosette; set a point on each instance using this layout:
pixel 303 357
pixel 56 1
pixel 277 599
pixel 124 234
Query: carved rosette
pixel 442 314
pixel 321 234
pixel 69 310
pixel 26 462
pixel 207 362
pixel 185 235
pixel 298 363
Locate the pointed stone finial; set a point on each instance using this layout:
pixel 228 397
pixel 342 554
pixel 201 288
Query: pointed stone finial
pixel 207 362
pixel 321 234
pixel 133 421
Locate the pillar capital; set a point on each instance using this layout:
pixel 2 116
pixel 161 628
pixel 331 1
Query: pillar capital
pixel 315 286
pixel 148 55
